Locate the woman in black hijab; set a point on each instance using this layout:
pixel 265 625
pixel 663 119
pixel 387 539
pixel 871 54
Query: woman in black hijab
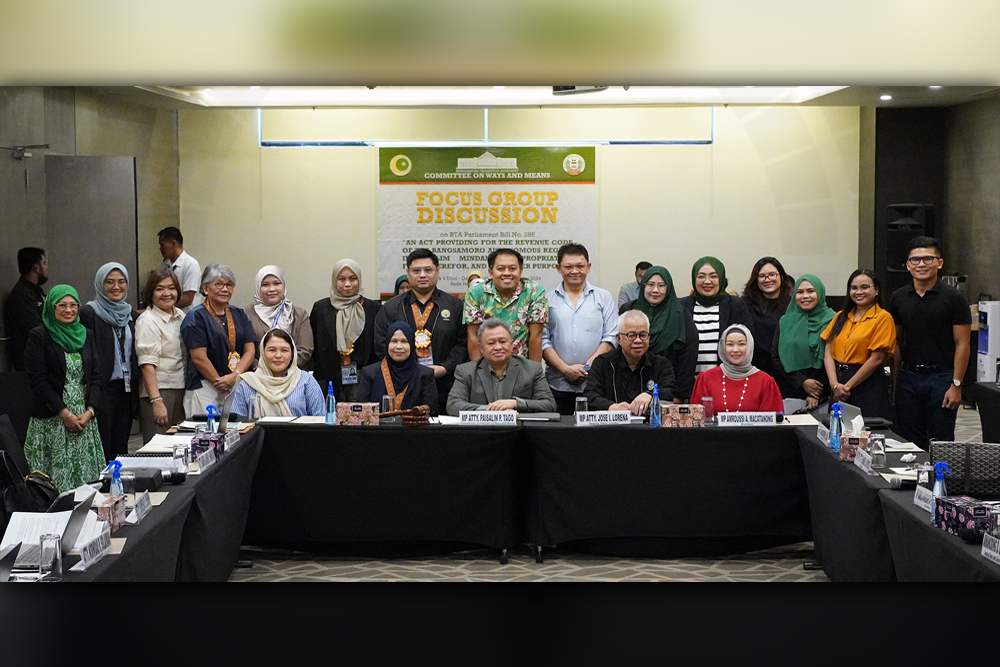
pixel 399 374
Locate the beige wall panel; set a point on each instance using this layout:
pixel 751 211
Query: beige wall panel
pixel 372 125
pixel 620 124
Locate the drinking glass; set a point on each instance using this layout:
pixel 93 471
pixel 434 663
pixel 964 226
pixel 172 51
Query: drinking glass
pixel 50 558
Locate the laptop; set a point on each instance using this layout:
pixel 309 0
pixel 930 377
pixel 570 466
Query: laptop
pixel 7 561
pixel 29 556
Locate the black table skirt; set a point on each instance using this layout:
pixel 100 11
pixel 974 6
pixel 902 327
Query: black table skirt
pixel 988 402
pixel 848 527
pixel 319 485
pixel 924 553
pixel 649 491
pixel 213 532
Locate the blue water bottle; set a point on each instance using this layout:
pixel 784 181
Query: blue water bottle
pixel 940 490
pixel 836 428
pixel 655 415
pixel 331 406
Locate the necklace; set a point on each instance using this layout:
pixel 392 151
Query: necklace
pixel 725 403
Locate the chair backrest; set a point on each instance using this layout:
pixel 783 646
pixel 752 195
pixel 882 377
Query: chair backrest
pixel 10 444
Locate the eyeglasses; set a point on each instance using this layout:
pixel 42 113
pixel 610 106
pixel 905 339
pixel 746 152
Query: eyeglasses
pixel 660 286
pixel 860 288
pixel 708 276
pixel 768 276
pixel 632 335
pixel 926 259
pixel 419 270
pixel 68 306
pixel 219 285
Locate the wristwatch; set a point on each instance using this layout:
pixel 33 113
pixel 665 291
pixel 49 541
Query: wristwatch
pixel 957 383
pixel 586 367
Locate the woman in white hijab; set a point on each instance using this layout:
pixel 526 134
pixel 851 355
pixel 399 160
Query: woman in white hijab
pixel 343 329
pixel 278 388
pixel 272 309
pixel 736 385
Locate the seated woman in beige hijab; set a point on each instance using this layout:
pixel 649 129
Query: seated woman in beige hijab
pixel 278 388
pixel 272 309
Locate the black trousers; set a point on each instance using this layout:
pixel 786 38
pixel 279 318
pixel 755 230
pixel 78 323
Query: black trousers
pixel 871 396
pixel 114 419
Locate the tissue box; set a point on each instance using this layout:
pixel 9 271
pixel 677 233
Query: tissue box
pixel 850 441
pixel 961 513
pixel 357 414
pixel 202 443
pixel 684 415
pixel 112 510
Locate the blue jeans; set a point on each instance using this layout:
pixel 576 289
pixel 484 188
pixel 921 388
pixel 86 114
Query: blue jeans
pixel 919 414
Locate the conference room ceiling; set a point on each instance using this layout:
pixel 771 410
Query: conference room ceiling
pixel 188 97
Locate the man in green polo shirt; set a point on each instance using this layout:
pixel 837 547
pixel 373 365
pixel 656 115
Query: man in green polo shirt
pixel 506 296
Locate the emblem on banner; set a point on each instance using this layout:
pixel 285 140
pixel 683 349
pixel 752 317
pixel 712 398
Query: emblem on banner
pixel 574 164
pixel 400 165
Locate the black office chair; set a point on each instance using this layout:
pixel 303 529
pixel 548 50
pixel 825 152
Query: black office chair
pixel 10 444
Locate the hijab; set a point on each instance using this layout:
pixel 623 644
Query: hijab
pixel 115 313
pixel 799 344
pixel 667 326
pixel 402 373
pixel 70 337
pixel 730 370
pixel 284 311
pixel 399 281
pixel 350 313
pixel 720 269
pixel 272 390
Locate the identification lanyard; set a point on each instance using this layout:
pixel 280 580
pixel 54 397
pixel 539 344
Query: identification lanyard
pixel 126 370
pixel 397 401
pixel 274 323
pixel 422 337
pixel 230 328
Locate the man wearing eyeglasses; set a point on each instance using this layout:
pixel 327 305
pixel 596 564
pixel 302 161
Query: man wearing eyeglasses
pixel 436 316
pixel 623 379
pixel 932 332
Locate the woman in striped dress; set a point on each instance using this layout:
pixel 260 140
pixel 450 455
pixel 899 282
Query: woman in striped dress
pixel 278 387
pixel 713 309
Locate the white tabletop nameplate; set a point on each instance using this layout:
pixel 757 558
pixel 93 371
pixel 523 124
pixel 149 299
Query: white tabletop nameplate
pixel 143 505
pixel 991 548
pixel 747 419
pixel 95 550
pixel 823 435
pixel 924 498
pixel 488 417
pixel 206 460
pixel 863 460
pixel 232 437
pixel 603 417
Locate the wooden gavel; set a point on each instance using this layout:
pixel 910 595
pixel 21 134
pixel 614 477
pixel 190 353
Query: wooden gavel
pixel 416 411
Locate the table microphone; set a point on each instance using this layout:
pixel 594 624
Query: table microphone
pixel 900 483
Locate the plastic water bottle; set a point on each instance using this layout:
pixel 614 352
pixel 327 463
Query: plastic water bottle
pixel 655 414
pixel 331 406
pixel 836 428
pixel 116 488
pixel 940 490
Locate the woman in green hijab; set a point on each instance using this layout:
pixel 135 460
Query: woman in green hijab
pixel 672 333
pixel 66 383
pixel 797 350
pixel 713 309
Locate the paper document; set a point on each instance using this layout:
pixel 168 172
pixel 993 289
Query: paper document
pixel 81 493
pixel 28 527
pixel 157 497
pixel 892 445
pixel 446 419
pixel 800 420
pixel 276 419
pixel 164 444
pixel 905 473
pixel 91 530
pixel 158 462
pixel 309 419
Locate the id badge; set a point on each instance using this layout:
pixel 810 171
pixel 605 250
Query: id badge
pixel 426 361
pixel 349 373
pixel 127 376
pixel 234 358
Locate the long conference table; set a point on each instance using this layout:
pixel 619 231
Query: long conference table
pixel 624 490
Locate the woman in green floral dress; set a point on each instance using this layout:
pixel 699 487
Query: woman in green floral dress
pixel 65 375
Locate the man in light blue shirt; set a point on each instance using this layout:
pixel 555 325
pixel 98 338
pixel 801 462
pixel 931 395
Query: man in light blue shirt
pixel 583 321
pixel 630 291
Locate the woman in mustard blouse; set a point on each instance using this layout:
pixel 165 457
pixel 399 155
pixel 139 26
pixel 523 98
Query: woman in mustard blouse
pixel 859 341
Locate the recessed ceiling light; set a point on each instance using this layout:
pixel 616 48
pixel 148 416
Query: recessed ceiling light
pixel 498 87
pixel 934 87
pixel 886 97
pixel 254 87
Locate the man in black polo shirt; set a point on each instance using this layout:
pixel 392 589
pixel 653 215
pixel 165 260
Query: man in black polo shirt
pixel 436 316
pixel 623 378
pixel 932 350
pixel 22 311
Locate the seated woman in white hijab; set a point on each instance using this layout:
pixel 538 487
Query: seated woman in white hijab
pixel 736 385
pixel 278 388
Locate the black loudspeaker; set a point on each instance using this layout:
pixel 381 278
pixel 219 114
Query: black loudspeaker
pixel 903 223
